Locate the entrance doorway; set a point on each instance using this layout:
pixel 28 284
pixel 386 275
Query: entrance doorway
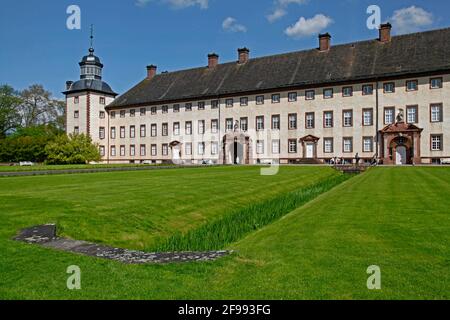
pixel 238 152
pixel 309 150
pixel 400 156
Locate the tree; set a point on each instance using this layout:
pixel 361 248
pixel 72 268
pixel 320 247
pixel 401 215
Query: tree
pixel 72 149
pixel 39 107
pixel 9 110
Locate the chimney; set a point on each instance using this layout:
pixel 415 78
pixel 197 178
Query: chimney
pixel 244 55
pixel 213 60
pixel 151 71
pixel 385 32
pixel 68 84
pixel 324 42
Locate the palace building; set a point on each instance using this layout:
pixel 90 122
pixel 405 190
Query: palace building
pixel 385 99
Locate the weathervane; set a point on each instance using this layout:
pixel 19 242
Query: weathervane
pixel 92 38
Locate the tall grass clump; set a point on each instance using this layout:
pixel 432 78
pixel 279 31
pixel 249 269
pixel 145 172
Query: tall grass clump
pixel 215 235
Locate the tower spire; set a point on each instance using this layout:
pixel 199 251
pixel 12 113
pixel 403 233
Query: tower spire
pixel 91 49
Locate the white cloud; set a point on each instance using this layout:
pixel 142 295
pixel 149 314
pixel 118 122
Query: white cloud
pixel 308 27
pixel 281 9
pixel 231 24
pixel 411 19
pixel 179 4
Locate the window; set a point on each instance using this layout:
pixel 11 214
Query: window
pixel 367 144
pixel 153 110
pixel 165 129
pixel 436 142
pixel 113 132
pixel 328 93
pixel 201 148
pixel 292 145
pixel 76 114
pixel 113 151
pixel 292 119
pixel 188 107
pixel 328 119
pixel 143 130
pixel 348 118
pixel 229 124
pixel 132 150
pixel 275 146
pixel 276 122
pixel 201 126
pixel 76 130
pixel 176 128
pixel 132 113
pixel 176 108
pixel 275 98
pixel 102 100
pixel 154 130
pixel 389 115
pixel 201 105
pixel 244 102
pixel 309 123
pixel 412 114
pixel 436 83
pixel 436 113
pixel 259 123
pixel 188 149
pixel 122 132
pixel 165 109
pixel 122 113
pixel 122 151
pixel 244 124
pixel 412 85
pixel 328 145
pixel 214 126
pixel 188 128
pixel 347 91
pixel 348 145
pixel 143 111
pixel 260 147
pixel 165 150
pixel 101 149
pixel 310 95
pixel 229 103
pixel 214 148
pixel 367 117
pixel 76 100
pixel 292 96
pixel 214 104
pixel 102 114
pixel 101 133
pixel 132 132
pixel 113 114
pixel 389 87
pixel 154 150
pixel 367 90
pixel 143 150
pixel 259 100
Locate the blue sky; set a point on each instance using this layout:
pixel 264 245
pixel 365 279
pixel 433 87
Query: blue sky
pixel 37 47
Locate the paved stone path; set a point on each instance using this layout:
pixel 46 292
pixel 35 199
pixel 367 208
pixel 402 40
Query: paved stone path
pixel 45 235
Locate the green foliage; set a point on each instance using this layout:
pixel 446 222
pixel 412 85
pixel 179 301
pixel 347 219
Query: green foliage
pixel 72 149
pixel 9 110
pixel 233 226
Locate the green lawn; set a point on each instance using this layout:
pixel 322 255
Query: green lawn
pixel 69 167
pixel 396 218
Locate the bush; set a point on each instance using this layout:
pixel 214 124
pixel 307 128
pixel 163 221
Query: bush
pixel 72 149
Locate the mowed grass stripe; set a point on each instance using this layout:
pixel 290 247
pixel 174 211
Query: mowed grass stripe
pixel 136 209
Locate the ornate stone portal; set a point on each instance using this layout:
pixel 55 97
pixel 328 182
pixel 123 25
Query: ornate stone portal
pixel 400 142
pixel 236 148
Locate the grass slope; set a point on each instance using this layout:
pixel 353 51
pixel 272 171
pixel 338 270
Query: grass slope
pixel 397 218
